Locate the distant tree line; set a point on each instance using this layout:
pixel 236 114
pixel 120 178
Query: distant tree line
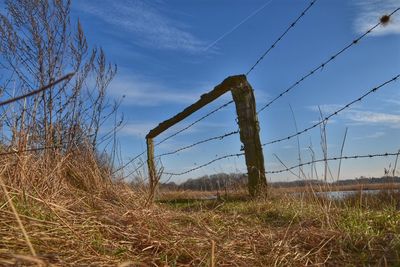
pixel 215 182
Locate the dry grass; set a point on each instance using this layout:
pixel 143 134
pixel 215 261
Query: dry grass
pixel 74 215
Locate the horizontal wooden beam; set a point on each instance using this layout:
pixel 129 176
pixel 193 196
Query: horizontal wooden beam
pixel 205 99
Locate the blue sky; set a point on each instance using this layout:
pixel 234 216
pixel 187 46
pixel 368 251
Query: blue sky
pixel 170 52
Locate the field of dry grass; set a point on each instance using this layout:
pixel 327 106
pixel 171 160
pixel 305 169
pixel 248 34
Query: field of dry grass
pixel 68 214
pixel 61 204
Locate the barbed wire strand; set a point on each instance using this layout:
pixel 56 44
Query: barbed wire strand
pixel 290 168
pixel 34 92
pixel 204 165
pixel 292 25
pixel 195 122
pixel 373 90
pixel 320 67
pixel 333 159
pixel 219 137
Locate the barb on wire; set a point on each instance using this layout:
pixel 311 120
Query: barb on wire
pixel 34 92
pixel 373 90
pixel 205 164
pixel 292 25
pixel 321 66
pixel 220 137
pixel 333 159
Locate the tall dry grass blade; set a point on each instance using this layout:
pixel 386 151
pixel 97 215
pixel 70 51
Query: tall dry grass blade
pixel 301 172
pixel 341 154
pixel 9 200
pixel 395 164
pixel 277 157
pixel 212 264
pixel 324 144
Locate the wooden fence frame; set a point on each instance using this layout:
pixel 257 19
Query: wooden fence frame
pixel 243 96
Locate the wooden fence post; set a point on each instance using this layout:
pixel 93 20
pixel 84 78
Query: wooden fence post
pixel 249 135
pixel 151 168
pixel 243 97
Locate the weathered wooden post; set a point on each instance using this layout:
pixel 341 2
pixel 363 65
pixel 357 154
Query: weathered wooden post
pixel 245 103
pixel 243 97
pixel 151 167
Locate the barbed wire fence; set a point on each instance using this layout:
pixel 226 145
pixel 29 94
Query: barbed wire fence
pixel 226 104
pixel 284 92
pixel 324 120
pixel 387 154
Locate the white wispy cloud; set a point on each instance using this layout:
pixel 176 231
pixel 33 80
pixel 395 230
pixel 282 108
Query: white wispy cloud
pixel 371 136
pixel 329 108
pixel 369 13
pixel 370 117
pixel 137 129
pixel 288 147
pixel 393 100
pixel 146 23
pixel 140 129
pixel 358 116
pixel 139 91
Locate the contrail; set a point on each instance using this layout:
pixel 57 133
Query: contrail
pixel 238 25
